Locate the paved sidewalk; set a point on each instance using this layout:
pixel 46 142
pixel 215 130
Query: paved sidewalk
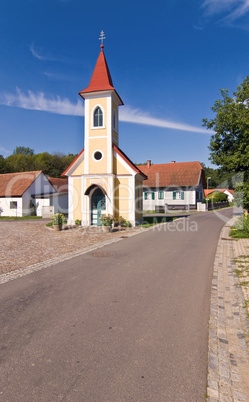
pixel 228 363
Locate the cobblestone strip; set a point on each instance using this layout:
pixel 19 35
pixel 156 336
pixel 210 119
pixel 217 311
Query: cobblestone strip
pixel 228 360
pixel 18 273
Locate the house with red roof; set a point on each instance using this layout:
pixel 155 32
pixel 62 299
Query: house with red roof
pixel 102 180
pixel 173 186
pixel 18 190
pixel 227 191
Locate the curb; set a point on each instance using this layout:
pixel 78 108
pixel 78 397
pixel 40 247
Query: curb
pixel 228 357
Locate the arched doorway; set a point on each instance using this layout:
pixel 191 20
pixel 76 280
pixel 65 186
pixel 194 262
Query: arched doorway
pixel 98 206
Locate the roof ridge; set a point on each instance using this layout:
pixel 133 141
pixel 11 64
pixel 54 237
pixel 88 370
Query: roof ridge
pixel 17 173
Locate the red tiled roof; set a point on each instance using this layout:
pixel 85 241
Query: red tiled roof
pixel 60 185
pixel 101 78
pixel 221 190
pixel 15 184
pixel 183 174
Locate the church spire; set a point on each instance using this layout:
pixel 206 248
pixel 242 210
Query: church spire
pixel 101 78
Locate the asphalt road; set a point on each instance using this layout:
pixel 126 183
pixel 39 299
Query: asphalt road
pixel 128 322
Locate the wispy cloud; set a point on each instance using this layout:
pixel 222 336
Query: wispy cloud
pixel 137 116
pixel 231 9
pixel 39 102
pixel 64 106
pixel 37 54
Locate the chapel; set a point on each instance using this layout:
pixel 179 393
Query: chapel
pixel 102 180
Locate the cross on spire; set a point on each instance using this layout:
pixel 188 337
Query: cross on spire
pixel 102 37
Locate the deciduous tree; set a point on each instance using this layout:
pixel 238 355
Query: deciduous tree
pixel 229 144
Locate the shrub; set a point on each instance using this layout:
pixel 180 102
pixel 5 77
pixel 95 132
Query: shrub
pixel 77 222
pixel 57 219
pixel 217 197
pixel 126 223
pixel 106 220
pixel 243 223
pixel 118 221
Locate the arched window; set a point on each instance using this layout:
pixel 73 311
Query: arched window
pixel 98 117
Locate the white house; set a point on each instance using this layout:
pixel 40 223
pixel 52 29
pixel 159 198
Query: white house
pixel 52 203
pixel 227 191
pixel 18 190
pixel 173 186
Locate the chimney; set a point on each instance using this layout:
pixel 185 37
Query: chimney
pixel 173 161
pixel 148 164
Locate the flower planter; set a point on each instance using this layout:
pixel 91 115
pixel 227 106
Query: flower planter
pixel 57 227
pixel 106 229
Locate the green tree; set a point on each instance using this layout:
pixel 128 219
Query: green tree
pixel 2 164
pixel 229 144
pixel 24 151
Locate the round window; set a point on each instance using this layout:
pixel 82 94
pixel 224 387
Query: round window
pixel 97 155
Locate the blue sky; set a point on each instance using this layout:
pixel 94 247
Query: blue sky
pixel 168 60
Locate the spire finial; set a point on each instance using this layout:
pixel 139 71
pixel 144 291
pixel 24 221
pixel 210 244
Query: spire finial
pixel 102 37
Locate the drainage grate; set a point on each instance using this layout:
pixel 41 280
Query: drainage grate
pixel 102 254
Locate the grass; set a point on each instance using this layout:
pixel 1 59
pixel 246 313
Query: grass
pixel 238 272
pixel 239 234
pixel 19 217
pixel 49 224
pixel 244 283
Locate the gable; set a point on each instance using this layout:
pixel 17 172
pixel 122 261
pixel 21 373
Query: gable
pixel 120 167
pixel 76 168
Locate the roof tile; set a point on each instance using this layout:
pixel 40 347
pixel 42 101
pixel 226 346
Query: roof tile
pixel 173 174
pixel 15 184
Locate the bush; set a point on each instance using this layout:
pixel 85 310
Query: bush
pixel 106 220
pixel 57 219
pixel 241 228
pixel 77 222
pixel 126 223
pixel 217 197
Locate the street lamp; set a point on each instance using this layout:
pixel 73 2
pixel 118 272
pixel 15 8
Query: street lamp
pixel 207 190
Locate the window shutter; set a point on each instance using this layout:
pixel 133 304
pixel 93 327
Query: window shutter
pixel 145 196
pixel 174 195
pixel 182 195
pixel 153 195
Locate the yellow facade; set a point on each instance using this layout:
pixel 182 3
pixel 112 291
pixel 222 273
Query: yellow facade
pixel 77 199
pixel 79 170
pixel 98 167
pixel 119 168
pixel 122 197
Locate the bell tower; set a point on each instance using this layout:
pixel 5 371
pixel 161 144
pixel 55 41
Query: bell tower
pixel 102 179
pixel 101 118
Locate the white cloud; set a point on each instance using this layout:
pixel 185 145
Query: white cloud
pixel 137 116
pixel 36 54
pixel 64 106
pixel 233 9
pixel 38 101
